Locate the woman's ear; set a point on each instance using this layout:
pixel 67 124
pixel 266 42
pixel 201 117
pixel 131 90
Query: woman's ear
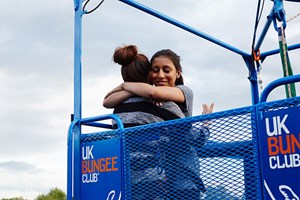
pixel 178 74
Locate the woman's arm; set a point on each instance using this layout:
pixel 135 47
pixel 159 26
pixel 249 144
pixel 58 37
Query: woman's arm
pixel 115 97
pixel 162 93
pixel 129 89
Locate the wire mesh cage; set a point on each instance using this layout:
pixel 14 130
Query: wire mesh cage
pixel 224 155
pixel 200 157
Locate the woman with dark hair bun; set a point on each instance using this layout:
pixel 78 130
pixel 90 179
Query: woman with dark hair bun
pixel 135 66
pixel 132 109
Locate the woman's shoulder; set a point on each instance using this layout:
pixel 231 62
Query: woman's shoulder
pixel 183 86
pixel 185 89
pixel 187 106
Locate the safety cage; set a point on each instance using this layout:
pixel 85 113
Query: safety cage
pixel 244 153
pixel 224 155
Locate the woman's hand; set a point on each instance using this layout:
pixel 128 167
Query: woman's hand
pixel 207 109
pixel 156 102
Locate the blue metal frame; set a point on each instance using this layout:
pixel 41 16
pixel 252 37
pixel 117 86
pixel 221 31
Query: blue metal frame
pixel 277 14
pixel 74 150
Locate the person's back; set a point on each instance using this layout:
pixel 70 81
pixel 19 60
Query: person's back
pixel 139 111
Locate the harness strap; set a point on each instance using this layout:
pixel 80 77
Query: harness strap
pixel 286 65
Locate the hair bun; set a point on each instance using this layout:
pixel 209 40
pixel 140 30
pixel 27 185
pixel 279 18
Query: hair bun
pixel 125 55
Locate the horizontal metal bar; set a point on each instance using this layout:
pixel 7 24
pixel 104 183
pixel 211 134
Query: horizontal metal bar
pixel 100 125
pixel 276 51
pixel 282 81
pixel 226 149
pixel 92 121
pixel 183 26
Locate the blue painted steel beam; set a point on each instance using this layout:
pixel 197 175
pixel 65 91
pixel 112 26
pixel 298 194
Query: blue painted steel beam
pixel 70 160
pixel 263 34
pixel 226 149
pixel 252 78
pixel 100 125
pixel 276 51
pixel 75 188
pixel 184 26
pixel 282 81
pixel 77 63
pixel 92 121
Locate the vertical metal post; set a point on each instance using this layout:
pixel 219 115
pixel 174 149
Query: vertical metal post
pixel 77 60
pixel 77 98
pixel 252 78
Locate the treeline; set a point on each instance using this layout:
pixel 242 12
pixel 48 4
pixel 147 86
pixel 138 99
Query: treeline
pixel 54 194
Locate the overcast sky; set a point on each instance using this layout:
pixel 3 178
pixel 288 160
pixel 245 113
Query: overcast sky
pixel 36 70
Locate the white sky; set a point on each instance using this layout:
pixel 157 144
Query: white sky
pixel 36 71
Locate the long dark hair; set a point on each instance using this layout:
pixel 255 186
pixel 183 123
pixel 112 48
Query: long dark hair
pixel 135 66
pixel 168 53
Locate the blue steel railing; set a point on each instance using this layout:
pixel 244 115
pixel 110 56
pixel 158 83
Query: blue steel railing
pixel 73 163
pixel 233 139
pixel 239 146
pixel 282 81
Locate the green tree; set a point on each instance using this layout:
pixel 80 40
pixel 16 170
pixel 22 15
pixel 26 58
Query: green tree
pixel 54 194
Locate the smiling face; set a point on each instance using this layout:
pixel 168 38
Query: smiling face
pixel 163 72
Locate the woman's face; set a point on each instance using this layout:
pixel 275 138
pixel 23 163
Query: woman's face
pixel 163 72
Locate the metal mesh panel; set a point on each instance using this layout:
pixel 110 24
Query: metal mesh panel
pixel 98 136
pixel 280 104
pixel 204 157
